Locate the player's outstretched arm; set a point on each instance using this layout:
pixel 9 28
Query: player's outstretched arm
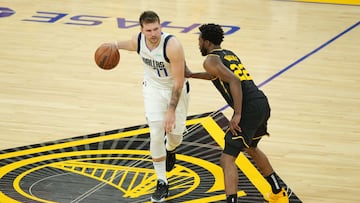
pixel 198 75
pixel 129 45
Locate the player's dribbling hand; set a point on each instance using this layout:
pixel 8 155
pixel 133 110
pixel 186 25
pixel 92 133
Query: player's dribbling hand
pixel 169 123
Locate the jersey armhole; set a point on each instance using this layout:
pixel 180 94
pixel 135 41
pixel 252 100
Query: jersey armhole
pixel 211 54
pixel 139 39
pixel 165 43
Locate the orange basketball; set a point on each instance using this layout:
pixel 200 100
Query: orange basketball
pixel 107 56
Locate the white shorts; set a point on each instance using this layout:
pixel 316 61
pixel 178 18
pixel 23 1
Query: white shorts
pixel 156 103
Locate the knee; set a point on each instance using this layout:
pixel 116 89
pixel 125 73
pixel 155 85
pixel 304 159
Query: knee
pixel 156 136
pixel 157 145
pixel 252 151
pixel 157 131
pixel 174 139
pixel 226 160
pixel 222 162
pixel 157 148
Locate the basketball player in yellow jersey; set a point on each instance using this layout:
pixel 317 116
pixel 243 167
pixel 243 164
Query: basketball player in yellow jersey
pixel 165 92
pixel 251 112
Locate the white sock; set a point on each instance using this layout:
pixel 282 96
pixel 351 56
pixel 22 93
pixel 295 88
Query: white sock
pixel 160 170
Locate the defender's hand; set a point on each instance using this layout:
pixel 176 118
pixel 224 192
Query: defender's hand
pixel 234 124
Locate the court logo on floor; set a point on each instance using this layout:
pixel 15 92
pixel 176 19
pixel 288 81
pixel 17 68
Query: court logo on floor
pixel 115 166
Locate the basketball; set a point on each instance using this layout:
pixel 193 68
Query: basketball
pixel 107 56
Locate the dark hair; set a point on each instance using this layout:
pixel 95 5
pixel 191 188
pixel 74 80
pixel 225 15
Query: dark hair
pixel 212 32
pixel 148 17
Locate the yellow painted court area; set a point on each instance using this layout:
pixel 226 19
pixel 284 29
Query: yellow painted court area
pixel 82 166
pixel 348 2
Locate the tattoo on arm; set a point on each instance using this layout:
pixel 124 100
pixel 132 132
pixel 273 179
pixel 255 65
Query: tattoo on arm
pixel 175 96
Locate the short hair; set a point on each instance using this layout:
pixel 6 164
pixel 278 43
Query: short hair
pixel 212 32
pixel 148 17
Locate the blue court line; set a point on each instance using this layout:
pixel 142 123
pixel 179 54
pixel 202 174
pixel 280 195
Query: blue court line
pixel 300 59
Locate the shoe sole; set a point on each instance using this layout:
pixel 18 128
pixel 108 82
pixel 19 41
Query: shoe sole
pixel 160 200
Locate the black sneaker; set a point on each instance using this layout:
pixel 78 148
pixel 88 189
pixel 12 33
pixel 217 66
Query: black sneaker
pixel 161 192
pixel 170 159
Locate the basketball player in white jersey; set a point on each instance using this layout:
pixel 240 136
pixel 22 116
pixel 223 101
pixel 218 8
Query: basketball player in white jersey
pixel 165 91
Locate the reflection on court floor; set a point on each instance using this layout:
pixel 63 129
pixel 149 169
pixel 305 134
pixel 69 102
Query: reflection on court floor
pixel 115 166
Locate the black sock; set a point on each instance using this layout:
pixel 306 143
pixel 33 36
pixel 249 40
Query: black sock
pixel 231 198
pixel 274 182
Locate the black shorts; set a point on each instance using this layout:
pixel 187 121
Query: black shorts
pixel 253 124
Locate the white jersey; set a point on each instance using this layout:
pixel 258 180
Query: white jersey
pixel 158 83
pixel 157 70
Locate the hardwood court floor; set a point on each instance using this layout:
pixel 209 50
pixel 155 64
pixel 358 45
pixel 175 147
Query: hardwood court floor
pixel 50 88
